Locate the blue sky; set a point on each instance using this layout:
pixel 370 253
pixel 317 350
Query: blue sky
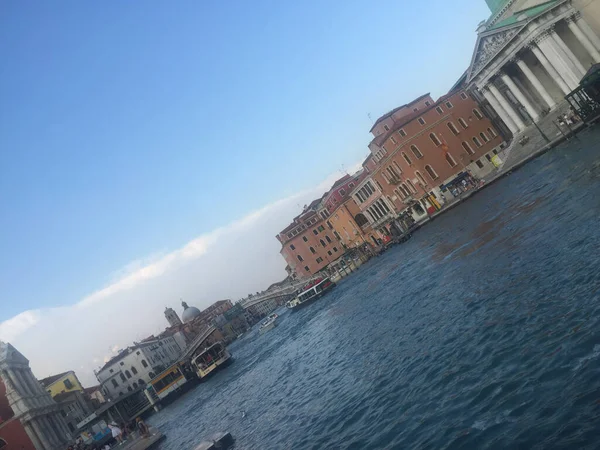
pixel 127 129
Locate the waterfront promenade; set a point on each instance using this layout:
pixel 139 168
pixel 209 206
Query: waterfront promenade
pixel 516 155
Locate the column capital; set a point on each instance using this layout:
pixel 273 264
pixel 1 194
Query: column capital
pixel 516 59
pixel 576 16
pixel 545 34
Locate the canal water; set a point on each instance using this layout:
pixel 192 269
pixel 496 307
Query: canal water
pixel 481 332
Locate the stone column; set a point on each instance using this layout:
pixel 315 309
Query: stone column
pixel 537 84
pixel 549 47
pixel 33 436
pixel 21 388
pixel 41 434
pixel 582 37
pixel 569 55
pixel 507 107
pixel 583 25
pixel 500 110
pixel 520 96
pixel 549 68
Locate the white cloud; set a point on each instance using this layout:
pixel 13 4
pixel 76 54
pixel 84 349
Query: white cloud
pixel 18 325
pixel 228 262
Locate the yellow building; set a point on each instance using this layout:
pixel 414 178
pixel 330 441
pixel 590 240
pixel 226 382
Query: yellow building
pixel 62 383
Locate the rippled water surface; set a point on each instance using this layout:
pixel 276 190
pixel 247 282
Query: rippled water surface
pixel 480 332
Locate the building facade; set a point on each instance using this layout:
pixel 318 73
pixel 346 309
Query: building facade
pixel 530 54
pixel 417 154
pixel 27 403
pixel 135 366
pixel 62 383
pixel 307 241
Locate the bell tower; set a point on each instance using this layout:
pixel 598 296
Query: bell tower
pixel 172 317
pixel 31 404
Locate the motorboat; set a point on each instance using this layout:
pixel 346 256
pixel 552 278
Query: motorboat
pixel 268 324
pixel 311 292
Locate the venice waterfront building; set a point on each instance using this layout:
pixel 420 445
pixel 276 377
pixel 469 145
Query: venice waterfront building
pixel 531 53
pixel 28 407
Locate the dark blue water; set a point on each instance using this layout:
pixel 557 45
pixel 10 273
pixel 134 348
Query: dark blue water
pixel 481 332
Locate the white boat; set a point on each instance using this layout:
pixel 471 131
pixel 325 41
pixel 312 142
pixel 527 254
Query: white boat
pixel 312 292
pixel 268 324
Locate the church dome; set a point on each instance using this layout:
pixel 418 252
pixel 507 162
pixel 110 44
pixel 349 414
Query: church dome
pixel 189 312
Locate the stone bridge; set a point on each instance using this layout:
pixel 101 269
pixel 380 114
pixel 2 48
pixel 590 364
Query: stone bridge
pixel 286 292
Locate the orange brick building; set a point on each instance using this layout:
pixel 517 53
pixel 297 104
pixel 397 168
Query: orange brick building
pixel 307 244
pixel 320 235
pixel 421 149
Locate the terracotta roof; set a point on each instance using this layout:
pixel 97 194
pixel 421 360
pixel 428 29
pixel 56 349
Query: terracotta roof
pixel 390 113
pixel 53 378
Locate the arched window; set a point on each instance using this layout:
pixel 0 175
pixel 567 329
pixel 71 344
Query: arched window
pixel 477 141
pixel 492 132
pixel 450 160
pixel 312 250
pixel 462 123
pixel 411 186
pixel 323 243
pixel 477 114
pixel 435 139
pixel 144 363
pixel 123 377
pixel 3 443
pixel 151 374
pixel 407 159
pixel 135 385
pixel 360 219
pixel 467 148
pixel 421 179
pixel 397 166
pixel 452 128
pixel 328 239
pixel 384 206
pixel 416 151
pixel 141 382
pixel 300 258
pixel 431 172
pixel 405 190
pixel 133 370
pixel 114 383
pixel 484 137
pixel 128 374
pixel 129 388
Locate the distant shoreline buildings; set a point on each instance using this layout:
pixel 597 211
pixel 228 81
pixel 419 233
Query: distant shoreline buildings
pixel 529 54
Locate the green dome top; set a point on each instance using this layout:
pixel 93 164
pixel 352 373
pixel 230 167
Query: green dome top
pixel 496 5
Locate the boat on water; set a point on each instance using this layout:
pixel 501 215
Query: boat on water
pixel 311 292
pixel 268 324
pixel 211 359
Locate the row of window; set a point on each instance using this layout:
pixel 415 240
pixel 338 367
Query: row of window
pixel 365 192
pixel 391 174
pixel 320 260
pixel 450 125
pixel 298 230
pixel 378 210
pixel 312 250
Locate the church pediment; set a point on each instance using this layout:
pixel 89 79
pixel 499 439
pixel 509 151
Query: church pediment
pixel 10 355
pixel 489 45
